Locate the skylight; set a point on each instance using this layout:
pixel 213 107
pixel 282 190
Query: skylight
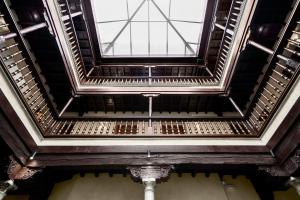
pixel 149 28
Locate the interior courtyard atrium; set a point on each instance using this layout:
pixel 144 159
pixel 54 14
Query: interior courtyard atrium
pixel 149 99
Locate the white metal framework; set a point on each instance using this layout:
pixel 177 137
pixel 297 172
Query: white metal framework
pixel 149 28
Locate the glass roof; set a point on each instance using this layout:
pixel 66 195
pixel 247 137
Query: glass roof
pixel 149 28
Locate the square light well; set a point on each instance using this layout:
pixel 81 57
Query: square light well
pixel 149 28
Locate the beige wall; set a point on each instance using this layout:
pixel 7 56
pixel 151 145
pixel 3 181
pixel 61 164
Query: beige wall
pixel 189 188
pixel 239 188
pixel 290 194
pixel 177 188
pixel 92 188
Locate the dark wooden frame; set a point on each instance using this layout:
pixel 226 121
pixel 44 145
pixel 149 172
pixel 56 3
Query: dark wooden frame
pixel 19 140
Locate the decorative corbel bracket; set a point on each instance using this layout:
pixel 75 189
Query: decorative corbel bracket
pixel 159 173
pixel 18 171
pixel 291 165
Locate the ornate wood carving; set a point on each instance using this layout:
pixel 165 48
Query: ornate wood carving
pixel 16 171
pixel 293 163
pixel 286 169
pixel 145 172
pixel 273 170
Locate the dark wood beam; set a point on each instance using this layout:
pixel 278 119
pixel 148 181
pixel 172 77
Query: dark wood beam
pixel 159 159
pixel 285 125
pixel 13 130
pixel 154 149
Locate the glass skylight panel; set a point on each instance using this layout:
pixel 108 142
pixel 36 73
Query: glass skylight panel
pixel 149 28
pixel 139 41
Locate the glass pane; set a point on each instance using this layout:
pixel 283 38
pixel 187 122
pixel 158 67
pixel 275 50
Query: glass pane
pixel 139 38
pixel 158 39
pixel 175 44
pixel 122 44
pixel 109 10
pixel 164 5
pixel 142 14
pixel 109 52
pixel 108 31
pixel 189 31
pixel 191 10
pixel 133 5
pixel 194 47
pixel 155 14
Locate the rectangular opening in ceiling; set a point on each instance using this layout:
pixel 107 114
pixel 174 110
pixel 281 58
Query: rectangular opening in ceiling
pixel 149 28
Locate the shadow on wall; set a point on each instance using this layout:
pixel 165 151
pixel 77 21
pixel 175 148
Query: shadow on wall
pixel 16 197
pixel 290 194
pixel 177 188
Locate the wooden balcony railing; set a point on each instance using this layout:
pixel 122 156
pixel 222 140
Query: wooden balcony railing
pixel 228 36
pixel 158 128
pixel 23 76
pixel 21 73
pixel 70 34
pixel 277 80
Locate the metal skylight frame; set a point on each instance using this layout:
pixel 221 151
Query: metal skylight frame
pixel 169 23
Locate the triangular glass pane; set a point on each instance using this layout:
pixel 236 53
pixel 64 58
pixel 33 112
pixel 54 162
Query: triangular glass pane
pixel 108 31
pixel 142 14
pixel 133 5
pixel 163 5
pixel 107 10
pixel 175 45
pixel 155 14
pixel 122 44
pixel 193 10
pixel 189 52
pixel 189 31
